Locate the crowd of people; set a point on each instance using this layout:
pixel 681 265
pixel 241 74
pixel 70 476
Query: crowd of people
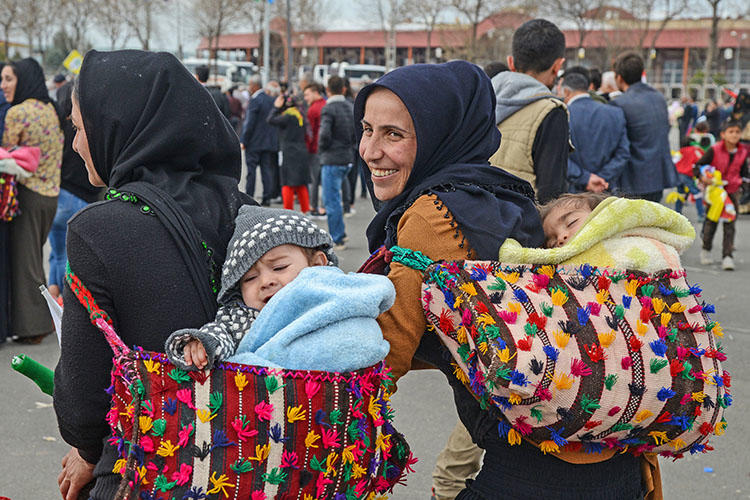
pixel 433 145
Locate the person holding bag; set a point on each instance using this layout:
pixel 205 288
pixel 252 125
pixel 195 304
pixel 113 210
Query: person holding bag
pixel 151 253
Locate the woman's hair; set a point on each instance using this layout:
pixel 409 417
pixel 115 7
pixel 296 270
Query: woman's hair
pixel 701 126
pixel 574 200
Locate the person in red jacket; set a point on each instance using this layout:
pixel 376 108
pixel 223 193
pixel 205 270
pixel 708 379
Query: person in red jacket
pixel 690 153
pixel 730 158
pixel 313 95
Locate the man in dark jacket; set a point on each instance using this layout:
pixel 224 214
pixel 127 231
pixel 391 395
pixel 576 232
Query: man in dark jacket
pixel 261 141
pixel 335 148
pixel 650 169
pixel 201 73
pixel 598 133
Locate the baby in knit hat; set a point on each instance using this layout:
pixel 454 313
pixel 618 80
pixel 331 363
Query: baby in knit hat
pixel 283 303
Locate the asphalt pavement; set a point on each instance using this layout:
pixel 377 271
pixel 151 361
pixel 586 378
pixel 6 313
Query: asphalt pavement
pixel 31 446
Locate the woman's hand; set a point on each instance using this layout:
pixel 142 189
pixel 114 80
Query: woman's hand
pixel 279 102
pixel 76 473
pixel 195 354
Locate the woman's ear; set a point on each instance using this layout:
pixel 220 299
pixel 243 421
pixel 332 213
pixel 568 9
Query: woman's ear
pixel 319 259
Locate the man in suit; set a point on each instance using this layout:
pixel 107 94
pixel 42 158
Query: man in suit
pixel 650 169
pixel 599 135
pixel 260 140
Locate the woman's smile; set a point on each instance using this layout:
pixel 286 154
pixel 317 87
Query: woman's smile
pixel 381 173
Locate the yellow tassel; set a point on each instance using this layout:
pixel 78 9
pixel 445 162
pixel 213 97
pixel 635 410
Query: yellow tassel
pixel 459 373
pixel 561 338
pixel 677 308
pixel 606 338
pixel 643 415
pixel 461 337
pixel 261 452
pixel 469 289
pixel 310 440
pixel 483 347
pixel 602 296
pixel 205 415
pixel 677 444
pixel 459 301
pixel 220 484
pixel 698 396
pixel 631 288
pixel 514 398
pixel 640 328
pixel 665 317
pixel 549 447
pixel 720 428
pixel 166 449
pixel 504 355
pixel 548 270
pixel 152 366
pixel 485 319
pixel 145 423
pixel 658 305
pixel 240 381
pixel 374 408
pixel 514 307
pixel 660 437
pixel 514 437
pixel 295 413
pixel 358 471
pixel 142 474
pixel 563 381
pixel 558 297
pixel 510 278
pixel 717 330
pixel 119 466
pixel 330 463
pixel 347 455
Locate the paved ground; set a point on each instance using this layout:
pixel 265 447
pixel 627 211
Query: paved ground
pixel 32 447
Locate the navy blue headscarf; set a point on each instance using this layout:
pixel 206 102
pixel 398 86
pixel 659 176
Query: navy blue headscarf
pixel 452 107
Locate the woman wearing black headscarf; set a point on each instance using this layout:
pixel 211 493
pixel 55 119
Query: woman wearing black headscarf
pixel 31 121
pixel 426 134
pixel 149 255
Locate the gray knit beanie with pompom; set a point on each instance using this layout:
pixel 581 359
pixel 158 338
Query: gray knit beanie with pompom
pixel 259 229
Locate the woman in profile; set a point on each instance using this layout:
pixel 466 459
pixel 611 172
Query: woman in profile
pixel 151 253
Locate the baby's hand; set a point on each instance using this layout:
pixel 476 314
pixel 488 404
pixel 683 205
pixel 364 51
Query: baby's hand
pixel 195 354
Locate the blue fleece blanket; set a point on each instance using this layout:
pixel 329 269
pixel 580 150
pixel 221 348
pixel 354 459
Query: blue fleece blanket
pixel 323 320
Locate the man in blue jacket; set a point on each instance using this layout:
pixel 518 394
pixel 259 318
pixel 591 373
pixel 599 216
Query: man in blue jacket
pixel 598 132
pixel 260 140
pixel 650 169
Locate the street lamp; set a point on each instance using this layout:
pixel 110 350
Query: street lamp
pixel 740 38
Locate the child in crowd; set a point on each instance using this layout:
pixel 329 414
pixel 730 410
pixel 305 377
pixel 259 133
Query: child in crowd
pixel 283 303
pixel 690 153
pixel 729 157
pixel 603 230
pixel 701 136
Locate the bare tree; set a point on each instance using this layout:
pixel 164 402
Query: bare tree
pixel 582 13
pixel 140 19
pixel 310 15
pixel 77 15
pixel 213 18
pixel 651 17
pixel 428 11
pixel 109 16
pixel 713 43
pixel 390 13
pixel 9 20
pixel 475 11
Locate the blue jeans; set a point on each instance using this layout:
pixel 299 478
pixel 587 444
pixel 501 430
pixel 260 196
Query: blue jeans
pixel 331 177
pixel 67 205
pixel 689 182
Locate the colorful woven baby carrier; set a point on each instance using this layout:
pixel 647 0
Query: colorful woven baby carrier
pixel 249 432
pixel 581 358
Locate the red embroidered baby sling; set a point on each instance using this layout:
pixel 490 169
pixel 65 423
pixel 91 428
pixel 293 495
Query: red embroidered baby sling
pixel 581 357
pixel 251 432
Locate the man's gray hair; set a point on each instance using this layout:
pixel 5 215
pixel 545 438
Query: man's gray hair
pixel 575 82
pixel 256 80
pixel 273 88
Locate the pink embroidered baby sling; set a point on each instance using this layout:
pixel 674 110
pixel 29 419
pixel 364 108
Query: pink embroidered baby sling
pixel 242 431
pixel 581 357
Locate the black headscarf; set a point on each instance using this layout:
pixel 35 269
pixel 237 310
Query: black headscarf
pixel 30 84
pixel 148 120
pixel 452 106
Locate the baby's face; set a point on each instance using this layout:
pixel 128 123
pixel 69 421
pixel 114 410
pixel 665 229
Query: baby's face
pixel 272 272
pixel 562 222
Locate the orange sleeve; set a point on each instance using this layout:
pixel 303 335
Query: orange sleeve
pixel 426 226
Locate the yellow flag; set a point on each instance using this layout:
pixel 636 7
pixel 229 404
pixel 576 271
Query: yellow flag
pixel 73 61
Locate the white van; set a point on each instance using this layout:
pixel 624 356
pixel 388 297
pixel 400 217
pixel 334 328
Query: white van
pixel 223 74
pixel 358 74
